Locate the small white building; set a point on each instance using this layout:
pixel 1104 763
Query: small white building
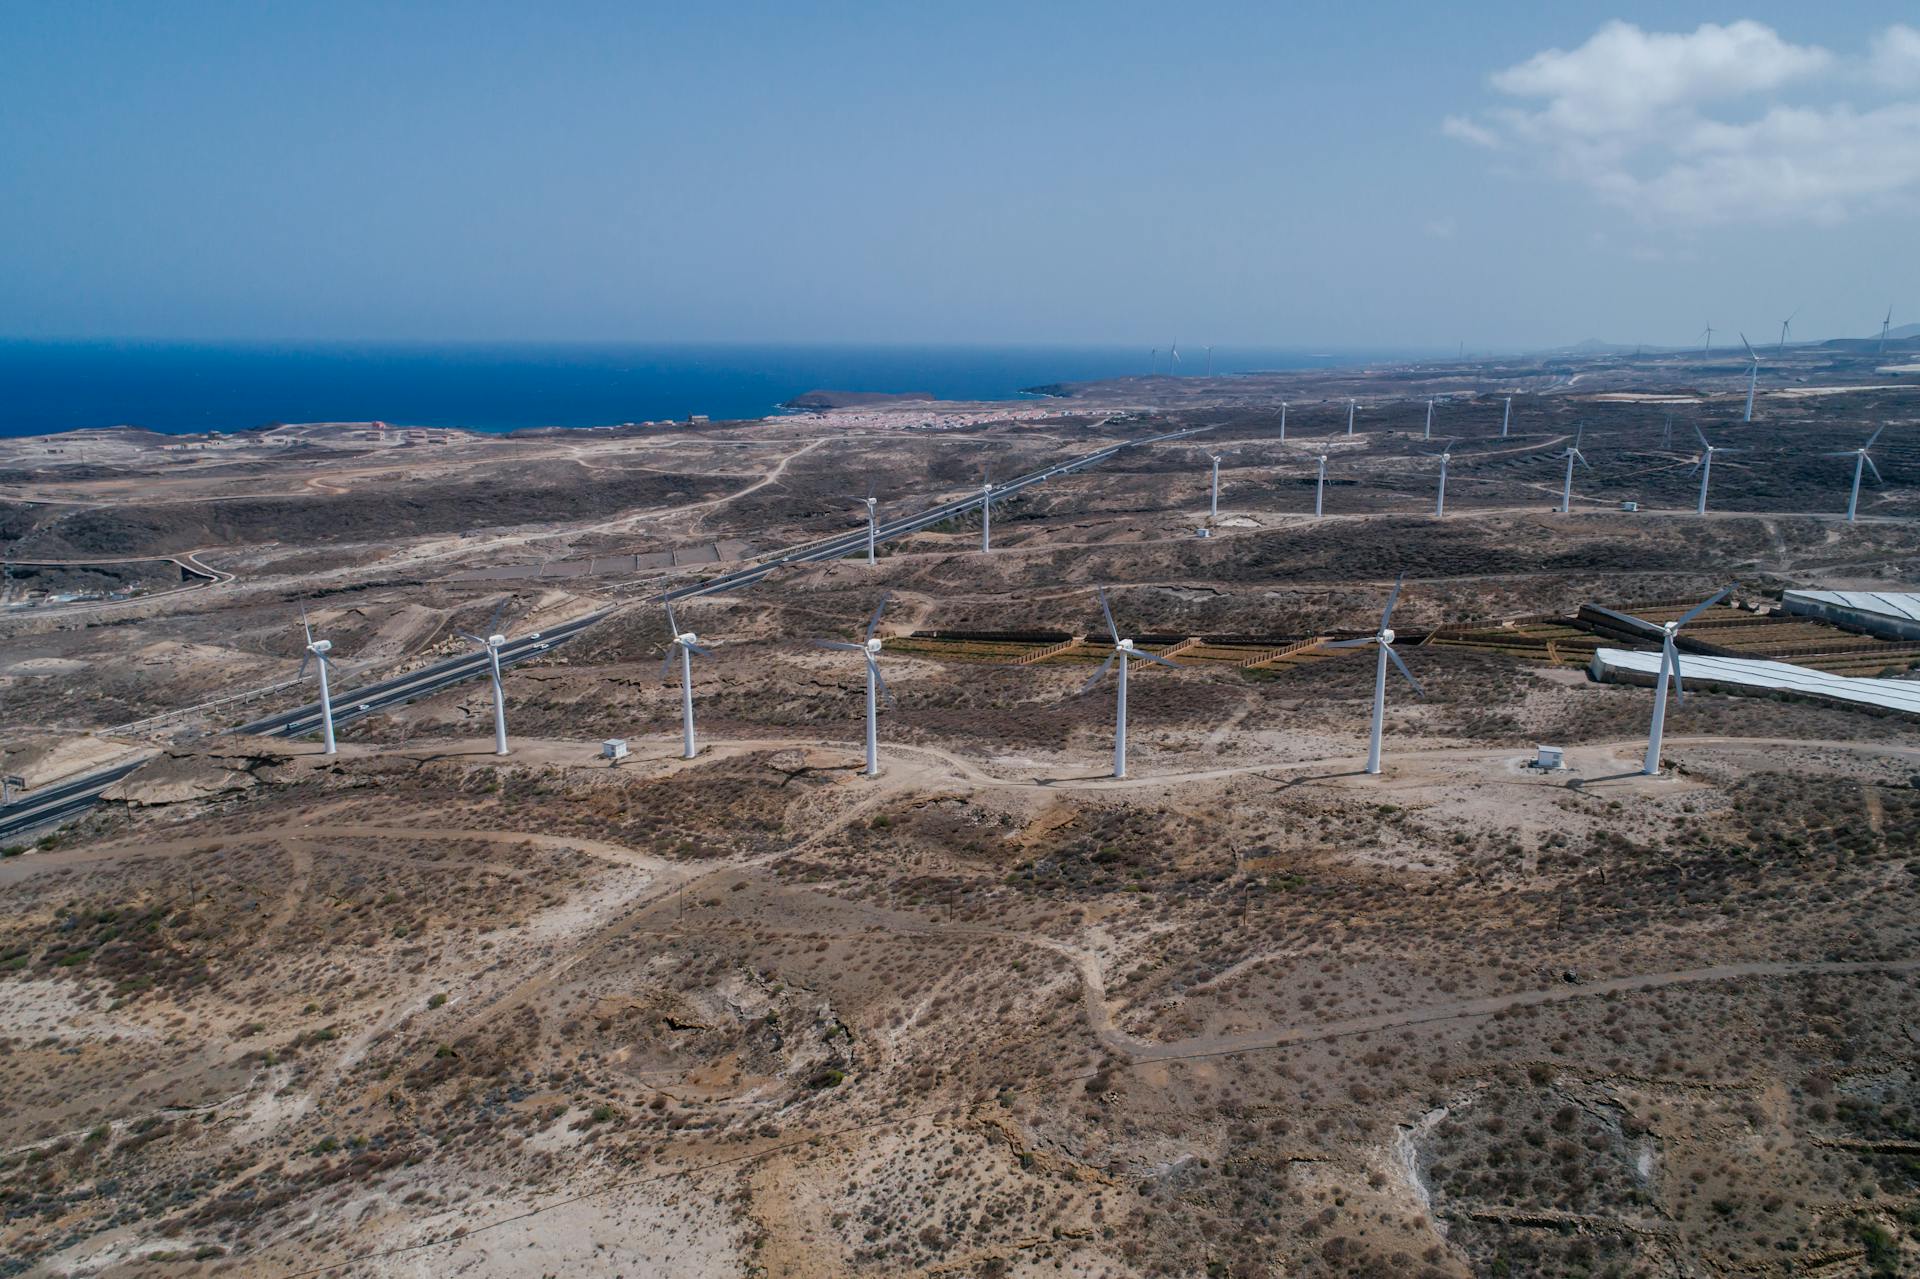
pixel 1548 759
pixel 613 748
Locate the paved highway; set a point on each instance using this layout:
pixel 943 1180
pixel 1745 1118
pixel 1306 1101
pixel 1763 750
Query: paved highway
pixel 70 798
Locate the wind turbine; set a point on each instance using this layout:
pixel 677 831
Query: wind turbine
pixel 1440 501
pixel 1283 421
pixel 1428 433
pixel 317 651
pixel 1785 326
pixel 1705 467
pixel 1669 666
pixel 1753 375
pixel 1320 487
pixel 1506 418
pixel 1209 361
pixel 687 644
pixel 869 648
pixel 1666 432
pixel 1213 488
pixel 1384 639
pixel 1705 350
pixel 1173 351
pixel 1123 652
pixel 873 522
pixel 1886 327
pixel 1861 461
pixel 1350 407
pixel 986 511
pixel 1573 453
pixel 1153 361
pixel 493 641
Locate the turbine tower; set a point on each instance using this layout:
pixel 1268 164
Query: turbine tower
pixel 1283 421
pixel 317 651
pixel 869 648
pixel 986 513
pixel 1153 361
pixel 1573 454
pixel 1213 487
pixel 1428 433
pixel 1209 361
pixel 1123 653
pixel 1861 462
pixel 493 641
pixel 1384 639
pixel 1669 666
pixel 1708 348
pixel 686 643
pixel 873 522
pixel 1705 467
pixel 1320 487
pixel 1506 418
pixel 1350 407
pixel 1440 499
pixel 1753 375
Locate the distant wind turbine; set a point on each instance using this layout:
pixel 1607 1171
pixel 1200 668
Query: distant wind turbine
pixel 986 512
pixel 1705 467
pixel 869 649
pixel 1861 461
pixel 1283 421
pixel 1506 418
pixel 1350 407
pixel 1213 488
pixel 1786 326
pixel 1886 327
pixel 1153 361
pixel 1708 348
pixel 317 650
pixel 1173 351
pixel 1573 454
pixel 686 644
pixel 1320 487
pixel 493 641
pixel 1669 668
pixel 1124 653
pixel 1428 433
pixel 1753 375
pixel 1440 500
pixel 873 522
pixel 1383 638
pixel 1209 361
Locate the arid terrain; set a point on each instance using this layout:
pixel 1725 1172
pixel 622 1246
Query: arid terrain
pixel 419 1009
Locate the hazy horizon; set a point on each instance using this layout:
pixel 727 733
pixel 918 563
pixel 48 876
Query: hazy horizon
pixel 1515 179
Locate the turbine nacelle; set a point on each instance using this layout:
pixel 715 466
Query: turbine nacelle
pixel 1125 646
pixel 320 647
pixel 686 639
pixel 873 646
pixel 1386 635
pixel 496 640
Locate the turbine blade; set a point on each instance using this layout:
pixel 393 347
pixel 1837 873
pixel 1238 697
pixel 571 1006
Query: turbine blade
pixel 698 651
pixel 1704 605
pixel 1362 642
pixel 1099 674
pixel 880 682
pixel 469 635
pixel 873 623
pixel 672 623
pixel 1863 447
pixel 1701 436
pixel 1155 657
pixel 493 623
pixel 1749 346
pixel 1418 691
pixel 840 646
pixel 1582 459
pixel 666 660
pixel 1873 468
pixel 1673 664
pixel 303 666
pixel 1393 597
pixel 1111 627
pixel 309 629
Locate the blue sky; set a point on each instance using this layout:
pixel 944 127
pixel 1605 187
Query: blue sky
pixel 1318 175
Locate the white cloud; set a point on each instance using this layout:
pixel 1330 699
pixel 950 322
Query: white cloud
pixel 1691 127
pixel 1895 61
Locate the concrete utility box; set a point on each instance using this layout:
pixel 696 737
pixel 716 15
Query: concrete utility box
pixel 613 748
pixel 1629 506
pixel 1547 758
pixel 1203 532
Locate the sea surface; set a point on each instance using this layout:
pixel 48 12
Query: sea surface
pixel 180 388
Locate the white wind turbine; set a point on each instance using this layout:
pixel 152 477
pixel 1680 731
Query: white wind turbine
pixel 1861 461
pixel 1573 454
pixel 1174 352
pixel 1786 326
pixel 317 650
pixel 1753 375
pixel 1351 403
pixel 1669 666
pixel 1213 487
pixel 1320 487
pixel 1708 348
pixel 1705 467
pixel 686 644
pixel 1506 418
pixel 1209 361
pixel 986 511
pixel 1440 499
pixel 1283 421
pixel 1123 653
pixel 1428 433
pixel 873 522
pixel 1384 639
pixel 492 642
pixel 1886 327
pixel 869 648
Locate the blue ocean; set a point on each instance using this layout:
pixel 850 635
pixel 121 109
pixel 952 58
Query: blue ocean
pixel 182 388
